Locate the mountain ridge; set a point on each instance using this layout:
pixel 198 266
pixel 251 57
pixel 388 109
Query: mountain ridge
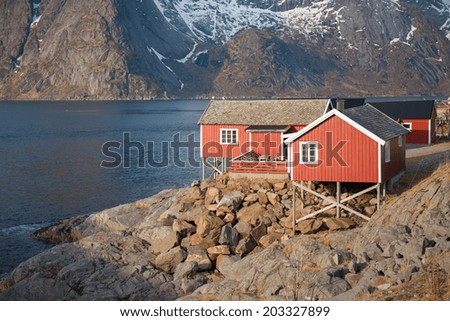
pixel 117 49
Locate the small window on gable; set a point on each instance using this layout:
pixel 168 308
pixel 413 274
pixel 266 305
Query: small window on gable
pixel 309 153
pixel 400 141
pixel 228 136
pixel 387 152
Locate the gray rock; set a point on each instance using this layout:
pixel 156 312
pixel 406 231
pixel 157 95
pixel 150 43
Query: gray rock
pixel 373 251
pixel 185 269
pixel 189 286
pixel 225 262
pixel 365 285
pixel 229 236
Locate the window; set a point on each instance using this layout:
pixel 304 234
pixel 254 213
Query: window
pixel 407 125
pixel 309 153
pixel 387 152
pixel 228 136
pixel 400 141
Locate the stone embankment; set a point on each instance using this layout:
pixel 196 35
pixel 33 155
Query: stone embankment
pixel 234 240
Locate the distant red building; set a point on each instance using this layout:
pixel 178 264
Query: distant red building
pixel 417 116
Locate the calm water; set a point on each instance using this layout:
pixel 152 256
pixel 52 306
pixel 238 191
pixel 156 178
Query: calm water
pixel 51 155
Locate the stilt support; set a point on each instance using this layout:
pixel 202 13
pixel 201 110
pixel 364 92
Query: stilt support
pixel 338 203
pixel 294 200
pixel 338 199
pixel 214 166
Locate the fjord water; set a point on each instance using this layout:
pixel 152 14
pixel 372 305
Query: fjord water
pixel 50 162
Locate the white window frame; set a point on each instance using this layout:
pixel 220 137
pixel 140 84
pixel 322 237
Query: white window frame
pixel 400 141
pixel 408 126
pixel 387 152
pixel 311 146
pixel 232 131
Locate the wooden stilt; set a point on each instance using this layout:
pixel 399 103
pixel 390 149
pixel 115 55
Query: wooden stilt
pixel 294 199
pixel 203 169
pixel 223 165
pixel 384 192
pixel 378 196
pixel 338 199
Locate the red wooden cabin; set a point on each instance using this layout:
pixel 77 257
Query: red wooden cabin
pixel 249 133
pixel 417 116
pixel 357 145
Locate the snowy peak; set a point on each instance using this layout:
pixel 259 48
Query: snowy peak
pixel 218 21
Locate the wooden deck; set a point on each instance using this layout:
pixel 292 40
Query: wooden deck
pixel 261 167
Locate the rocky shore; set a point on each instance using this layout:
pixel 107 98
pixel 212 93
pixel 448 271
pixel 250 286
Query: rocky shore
pixel 234 240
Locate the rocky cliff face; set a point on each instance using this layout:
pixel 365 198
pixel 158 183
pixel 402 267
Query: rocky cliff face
pixel 112 49
pixel 233 240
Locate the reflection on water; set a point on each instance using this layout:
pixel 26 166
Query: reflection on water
pixel 51 155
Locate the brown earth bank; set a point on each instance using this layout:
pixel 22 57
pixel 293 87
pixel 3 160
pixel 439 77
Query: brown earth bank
pixel 234 240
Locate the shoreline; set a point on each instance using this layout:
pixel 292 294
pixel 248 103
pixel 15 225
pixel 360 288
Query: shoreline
pixel 204 243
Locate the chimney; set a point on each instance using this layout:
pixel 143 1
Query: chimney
pixel 340 103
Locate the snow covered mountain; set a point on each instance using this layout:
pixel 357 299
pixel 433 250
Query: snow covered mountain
pixel 183 48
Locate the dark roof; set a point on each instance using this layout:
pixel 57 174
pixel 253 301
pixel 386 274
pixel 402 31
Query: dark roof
pixel 420 109
pixel 349 102
pixel 263 112
pixel 268 129
pixel 376 122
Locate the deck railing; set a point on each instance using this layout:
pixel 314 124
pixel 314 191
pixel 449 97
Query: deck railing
pixel 269 167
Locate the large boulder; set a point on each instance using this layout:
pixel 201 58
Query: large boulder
pixel 183 227
pixel 335 224
pixel 199 255
pixel 185 269
pixel 230 201
pixel 212 196
pixel 168 261
pixel 243 228
pixel 165 243
pixel 207 222
pixel 252 214
pixel 309 226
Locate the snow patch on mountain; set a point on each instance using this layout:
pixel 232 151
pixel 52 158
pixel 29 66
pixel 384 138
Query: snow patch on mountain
pixel 218 21
pixel 311 19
